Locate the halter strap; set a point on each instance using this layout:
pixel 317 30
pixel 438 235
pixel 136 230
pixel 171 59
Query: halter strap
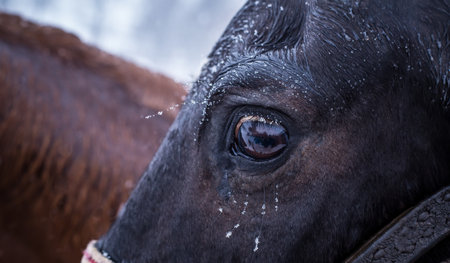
pixel 410 235
pixel 92 255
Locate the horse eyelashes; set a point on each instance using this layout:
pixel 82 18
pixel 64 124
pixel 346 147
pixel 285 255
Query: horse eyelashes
pixel 259 138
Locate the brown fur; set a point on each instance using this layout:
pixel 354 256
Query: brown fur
pixel 73 140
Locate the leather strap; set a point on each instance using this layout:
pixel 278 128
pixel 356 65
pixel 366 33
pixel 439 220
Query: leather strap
pixel 411 234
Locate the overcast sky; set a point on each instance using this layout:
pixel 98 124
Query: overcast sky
pixel 168 36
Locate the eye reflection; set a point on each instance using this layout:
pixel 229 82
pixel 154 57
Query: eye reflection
pixel 259 138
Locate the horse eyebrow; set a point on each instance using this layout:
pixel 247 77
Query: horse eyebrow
pixel 280 69
pixel 267 72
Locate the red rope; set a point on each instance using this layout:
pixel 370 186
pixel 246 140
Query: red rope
pixel 89 257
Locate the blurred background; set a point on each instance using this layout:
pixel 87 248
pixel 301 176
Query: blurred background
pixel 172 37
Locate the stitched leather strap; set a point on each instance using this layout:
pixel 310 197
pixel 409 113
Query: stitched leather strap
pixel 412 234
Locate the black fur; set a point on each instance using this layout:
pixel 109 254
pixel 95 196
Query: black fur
pixel 362 89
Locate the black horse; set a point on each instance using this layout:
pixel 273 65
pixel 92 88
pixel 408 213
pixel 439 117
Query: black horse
pixel 313 125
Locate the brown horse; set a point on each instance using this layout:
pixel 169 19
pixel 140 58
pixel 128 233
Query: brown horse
pixel 73 138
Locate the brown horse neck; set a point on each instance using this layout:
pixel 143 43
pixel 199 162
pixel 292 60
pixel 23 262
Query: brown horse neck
pixel 70 49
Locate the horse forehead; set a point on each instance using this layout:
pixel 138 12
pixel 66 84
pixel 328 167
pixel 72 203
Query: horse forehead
pixel 339 40
pixel 291 28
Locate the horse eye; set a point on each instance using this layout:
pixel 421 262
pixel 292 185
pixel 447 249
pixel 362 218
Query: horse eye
pixel 259 138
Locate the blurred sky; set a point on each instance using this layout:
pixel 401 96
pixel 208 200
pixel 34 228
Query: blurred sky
pixel 168 36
